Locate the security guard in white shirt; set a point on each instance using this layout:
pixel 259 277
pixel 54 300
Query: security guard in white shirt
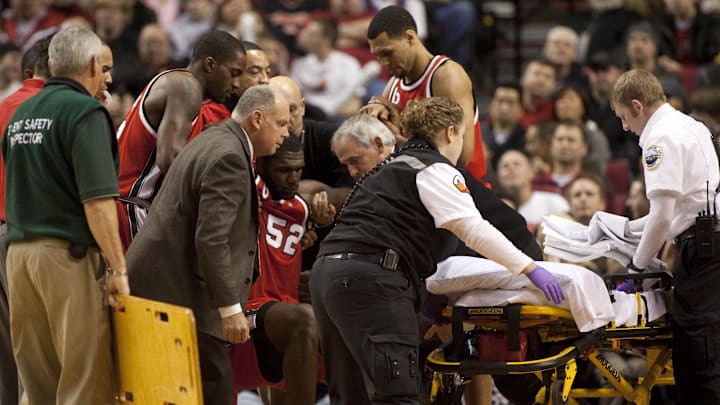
pixel 367 281
pixel 681 178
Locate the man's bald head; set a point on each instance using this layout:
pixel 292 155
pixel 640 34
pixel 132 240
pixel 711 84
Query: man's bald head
pixel 291 90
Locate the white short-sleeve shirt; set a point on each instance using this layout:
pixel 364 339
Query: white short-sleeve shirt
pixel 444 194
pixel 678 156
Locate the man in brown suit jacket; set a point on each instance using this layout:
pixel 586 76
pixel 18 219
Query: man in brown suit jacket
pixel 198 247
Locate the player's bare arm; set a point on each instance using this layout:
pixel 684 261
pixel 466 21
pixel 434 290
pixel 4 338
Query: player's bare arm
pixel 171 107
pixel 452 82
pixel 336 195
pixel 387 112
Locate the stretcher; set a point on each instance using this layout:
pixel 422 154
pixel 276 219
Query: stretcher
pixel 517 331
pixel 156 353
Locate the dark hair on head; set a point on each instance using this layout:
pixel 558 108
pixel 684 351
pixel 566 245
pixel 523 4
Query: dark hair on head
pixel 251 46
pixel 216 44
pixel 393 21
pixel 590 177
pixel 573 124
pixel 291 144
pixel 36 58
pixel 329 28
pixel 8 47
pixel 507 85
pixel 584 99
pixel 706 100
pixel 544 62
pixel 545 129
pixel 424 118
pixel 516 150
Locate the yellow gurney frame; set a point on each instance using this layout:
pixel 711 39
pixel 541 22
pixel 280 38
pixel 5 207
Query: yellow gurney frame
pixel 452 366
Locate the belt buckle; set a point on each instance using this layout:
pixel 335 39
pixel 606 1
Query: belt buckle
pixel 334 256
pixel 390 260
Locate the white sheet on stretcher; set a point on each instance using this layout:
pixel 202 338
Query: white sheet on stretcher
pixel 472 281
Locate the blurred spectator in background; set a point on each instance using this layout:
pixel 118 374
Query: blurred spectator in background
pixel 696 35
pixel 227 13
pixel 239 18
pixel 72 9
pixel 675 93
pixel 538 83
pixel 277 53
pixel 561 49
pixel 705 107
pixel 353 17
pixel 10 70
pixel 586 196
pixel 28 21
pixel 538 138
pixel 709 74
pixel 643 50
pixel 285 19
pixel 502 130
pixel 637 203
pixel 119 105
pixel 571 104
pixel 606 29
pixel 515 177
pixel 166 11
pixel 325 74
pixel 113 25
pixel 604 70
pixel 452 25
pixel 568 150
pixel 195 20
pixel 154 52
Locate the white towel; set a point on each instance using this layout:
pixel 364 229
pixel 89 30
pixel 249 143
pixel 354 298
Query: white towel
pixel 607 235
pixel 586 296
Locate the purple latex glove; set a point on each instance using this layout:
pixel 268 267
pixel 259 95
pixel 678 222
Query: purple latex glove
pixel 627 287
pixel 547 283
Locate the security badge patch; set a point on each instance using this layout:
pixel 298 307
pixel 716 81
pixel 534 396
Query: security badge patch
pixel 652 156
pixel 460 184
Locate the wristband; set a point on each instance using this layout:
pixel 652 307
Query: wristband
pixel 318 226
pixel 633 269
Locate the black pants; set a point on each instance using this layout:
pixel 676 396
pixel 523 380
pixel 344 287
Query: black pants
pixel 368 332
pixel 215 371
pixel 696 326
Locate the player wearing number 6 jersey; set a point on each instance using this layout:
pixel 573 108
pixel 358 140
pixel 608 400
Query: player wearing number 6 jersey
pixel 284 342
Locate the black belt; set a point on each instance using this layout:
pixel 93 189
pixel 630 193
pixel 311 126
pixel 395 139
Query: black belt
pixel 388 260
pixel 690 234
pixel 685 235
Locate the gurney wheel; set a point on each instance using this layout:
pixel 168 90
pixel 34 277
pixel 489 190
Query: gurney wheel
pixel 556 393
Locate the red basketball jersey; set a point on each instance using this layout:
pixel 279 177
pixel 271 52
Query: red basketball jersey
pixel 400 94
pixel 210 113
pixel 139 175
pixel 282 225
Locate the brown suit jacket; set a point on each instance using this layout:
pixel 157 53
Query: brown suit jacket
pixel 198 246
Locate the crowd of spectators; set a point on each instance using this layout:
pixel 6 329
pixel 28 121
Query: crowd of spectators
pixel 552 141
pixel 557 113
